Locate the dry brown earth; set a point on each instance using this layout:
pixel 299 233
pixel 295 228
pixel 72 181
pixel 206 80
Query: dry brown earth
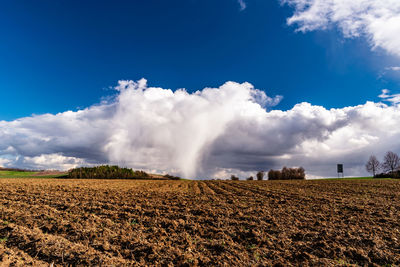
pixel 248 223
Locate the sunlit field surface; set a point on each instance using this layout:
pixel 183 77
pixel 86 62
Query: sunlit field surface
pixel 93 222
pixel 17 174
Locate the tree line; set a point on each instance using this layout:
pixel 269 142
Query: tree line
pixel 287 174
pixel 389 168
pixel 114 172
pixel 106 172
pixel 284 174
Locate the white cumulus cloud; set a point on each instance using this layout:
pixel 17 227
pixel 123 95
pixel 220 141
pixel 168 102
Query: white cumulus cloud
pixel 4 161
pixel 50 161
pixel 376 20
pixel 211 132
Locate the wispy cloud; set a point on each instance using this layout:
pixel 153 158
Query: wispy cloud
pixel 378 21
pixel 242 5
pixel 211 132
pixel 392 98
pixel 394 68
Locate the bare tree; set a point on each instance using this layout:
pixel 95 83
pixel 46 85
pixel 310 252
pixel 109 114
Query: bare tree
pixel 391 162
pixel 372 165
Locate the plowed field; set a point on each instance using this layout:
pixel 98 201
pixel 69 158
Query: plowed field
pixel 247 223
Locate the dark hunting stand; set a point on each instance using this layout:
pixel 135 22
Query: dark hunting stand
pixel 340 170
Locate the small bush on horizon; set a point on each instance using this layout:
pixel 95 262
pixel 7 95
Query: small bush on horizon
pixel 171 177
pixel 234 178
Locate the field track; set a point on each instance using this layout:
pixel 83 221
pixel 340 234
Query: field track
pixel 248 223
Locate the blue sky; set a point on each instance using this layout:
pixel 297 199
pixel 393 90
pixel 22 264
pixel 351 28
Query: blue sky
pixel 64 55
pixel 73 94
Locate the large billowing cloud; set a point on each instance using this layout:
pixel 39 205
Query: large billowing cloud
pixel 208 133
pixel 377 20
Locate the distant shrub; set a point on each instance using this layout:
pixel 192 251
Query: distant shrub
pixel 260 175
pixel 106 172
pixel 171 177
pixel 382 175
pixel 250 178
pixel 234 178
pixel 395 174
pixel 287 174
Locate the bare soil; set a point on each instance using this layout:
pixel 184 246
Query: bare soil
pixel 247 223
